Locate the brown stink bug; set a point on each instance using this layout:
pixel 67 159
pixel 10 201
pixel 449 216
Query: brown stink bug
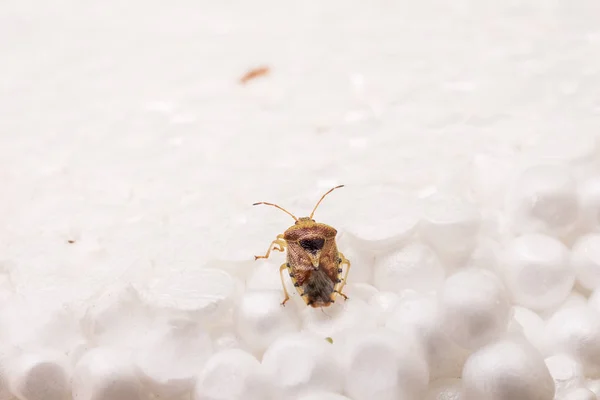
pixel 313 260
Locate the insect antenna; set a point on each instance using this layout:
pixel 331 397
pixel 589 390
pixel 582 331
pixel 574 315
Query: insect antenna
pixel 322 197
pixel 281 208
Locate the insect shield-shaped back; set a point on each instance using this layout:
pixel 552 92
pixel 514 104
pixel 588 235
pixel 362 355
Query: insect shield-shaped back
pixel 313 261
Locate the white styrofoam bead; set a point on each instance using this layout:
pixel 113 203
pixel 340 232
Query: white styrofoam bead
pixel 383 365
pixel 506 370
pixel 323 396
pixel 594 301
pixel 338 319
pixel 594 386
pixel 585 260
pixel 297 363
pixel 260 318
pixel 105 373
pixel 566 372
pixel 229 375
pixel 200 292
pixel 170 355
pixel 475 308
pixel 445 389
pixel 578 394
pixel 226 341
pixel 117 317
pixel 415 266
pixel 40 375
pixel 382 304
pixel 491 175
pixel 361 291
pixel 544 200
pixel 589 197
pixel 450 225
pixel 361 260
pixel 537 271
pixel 422 312
pixel 382 218
pixel 576 331
pixel 532 327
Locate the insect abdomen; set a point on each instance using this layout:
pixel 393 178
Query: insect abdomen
pixel 318 287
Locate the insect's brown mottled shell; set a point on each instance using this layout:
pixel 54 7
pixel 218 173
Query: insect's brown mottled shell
pixel 313 261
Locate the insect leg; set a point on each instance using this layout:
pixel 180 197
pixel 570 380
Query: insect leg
pixel 287 296
pixel 343 283
pixel 279 242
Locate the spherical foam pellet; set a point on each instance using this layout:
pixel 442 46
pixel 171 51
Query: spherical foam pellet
pixel 544 200
pixel 298 363
pixel 508 369
pixel 589 197
pixel 383 303
pixel 382 217
pixel 475 308
pixel 450 225
pixel 532 326
pixel 117 317
pixel 361 291
pixel 230 375
pixel 42 375
pixel 576 332
pixel 105 374
pixel 537 271
pixel 362 260
pixel 566 372
pixel 422 313
pixel 200 292
pixel 340 318
pixel 415 266
pixel 323 396
pixel 578 394
pixel 445 389
pixel 585 260
pixel 260 318
pixel 170 355
pixel 383 365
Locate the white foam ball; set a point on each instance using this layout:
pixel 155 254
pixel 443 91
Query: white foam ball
pixel 323 396
pixel 578 394
pixel 506 370
pixel 594 386
pixel 450 225
pixel 585 259
pixel 169 356
pixel 361 259
pixel 532 327
pixel 229 375
pixel 199 292
pixel 537 271
pixel 594 301
pixel 445 389
pixel 384 366
pixel 361 291
pixel 566 372
pixel 105 374
pixel 40 375
pixel 117 317
pixel 422 312
pixel 382 304
pixel 260 318
pixel 544 200
pixel 475 308
pixel 298 363
pixel 576 331
pixel 415 267
pixel 340 318
pixel 589 197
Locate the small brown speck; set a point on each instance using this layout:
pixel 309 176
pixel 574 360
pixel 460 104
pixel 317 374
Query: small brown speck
pixel 70 241
pixel 254 73
pixel 330 340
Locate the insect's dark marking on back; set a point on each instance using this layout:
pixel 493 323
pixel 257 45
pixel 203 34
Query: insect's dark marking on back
pixel 312 245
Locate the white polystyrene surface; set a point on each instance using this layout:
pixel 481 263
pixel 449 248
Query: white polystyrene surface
pixel 466 134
